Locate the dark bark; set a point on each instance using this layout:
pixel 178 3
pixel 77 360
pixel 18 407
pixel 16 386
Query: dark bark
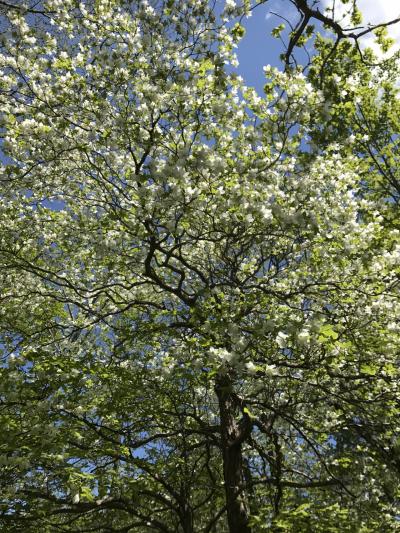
pixel 186 518
pixel 233 434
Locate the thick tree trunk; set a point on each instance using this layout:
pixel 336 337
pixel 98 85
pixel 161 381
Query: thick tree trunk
pixel 232 436
pixel 187 519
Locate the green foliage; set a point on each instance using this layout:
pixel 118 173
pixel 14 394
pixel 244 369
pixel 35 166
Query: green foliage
pixel 383 38
pixel 276 32
pixel 238 31
pixel 199 318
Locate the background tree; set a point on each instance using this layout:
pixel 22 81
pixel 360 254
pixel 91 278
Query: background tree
pixel 200 285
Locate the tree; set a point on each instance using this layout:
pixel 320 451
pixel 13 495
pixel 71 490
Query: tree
pixel 200 285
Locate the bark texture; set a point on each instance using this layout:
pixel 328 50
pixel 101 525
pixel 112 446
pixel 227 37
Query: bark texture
pixel 233 434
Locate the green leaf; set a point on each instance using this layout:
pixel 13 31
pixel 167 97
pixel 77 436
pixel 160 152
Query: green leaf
pixel 238 31
pixel 368 369
pixel 327 333
pixel 276 32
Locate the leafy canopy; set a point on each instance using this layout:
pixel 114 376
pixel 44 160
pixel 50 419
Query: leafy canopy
pixel 199 322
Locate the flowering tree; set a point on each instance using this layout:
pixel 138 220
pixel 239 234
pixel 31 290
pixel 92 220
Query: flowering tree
pixel 199 283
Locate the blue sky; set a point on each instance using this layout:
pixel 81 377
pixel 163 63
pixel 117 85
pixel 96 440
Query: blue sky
pixel 259 48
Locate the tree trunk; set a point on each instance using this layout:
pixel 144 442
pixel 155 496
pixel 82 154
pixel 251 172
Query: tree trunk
pixel 187 518
pixel 232 435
